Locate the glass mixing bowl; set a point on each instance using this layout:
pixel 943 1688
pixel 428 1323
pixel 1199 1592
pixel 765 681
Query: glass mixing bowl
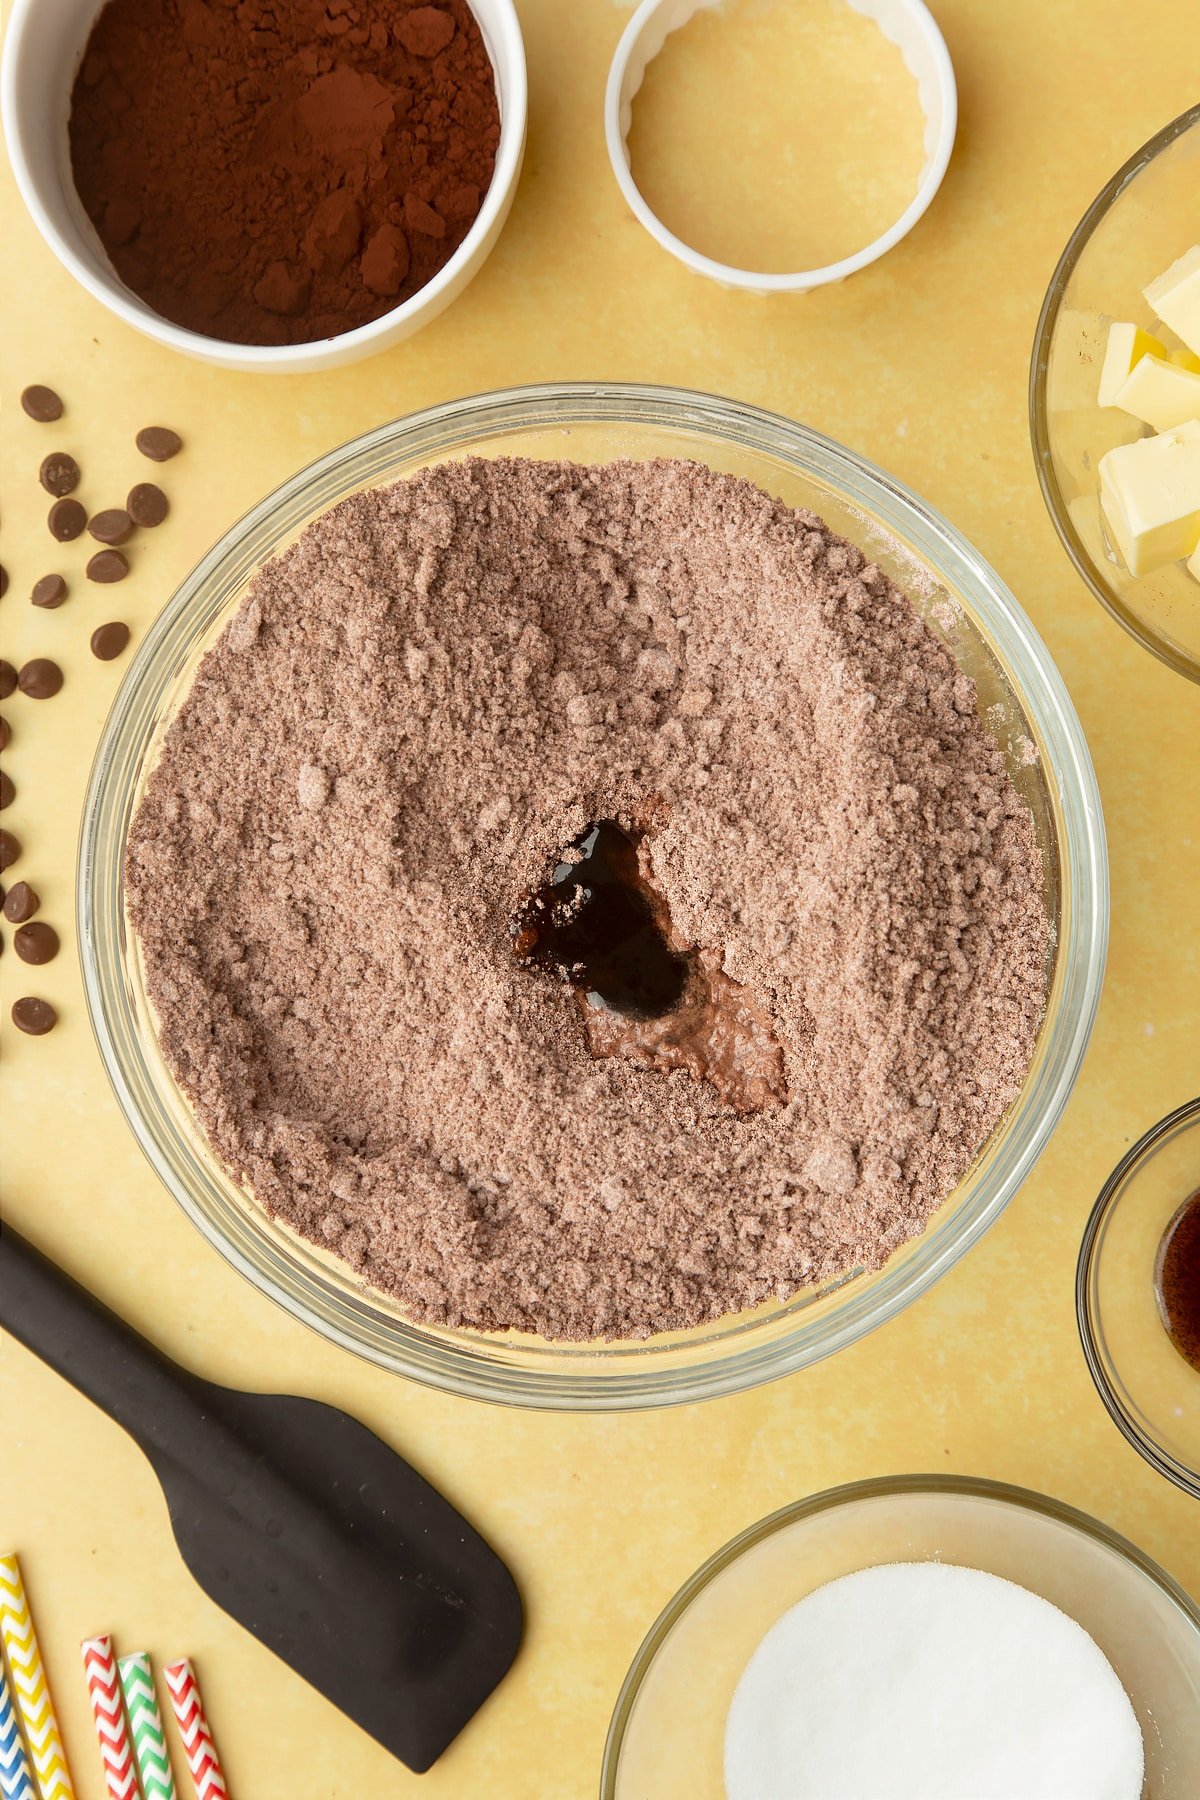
pixel 1141 221
pixel 1019 690
pixel 1151 1391
pixel 667 1734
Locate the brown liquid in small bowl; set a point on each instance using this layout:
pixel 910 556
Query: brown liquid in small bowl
pixel 1177 1280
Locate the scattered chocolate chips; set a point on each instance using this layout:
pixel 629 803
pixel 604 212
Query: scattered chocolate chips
pixel 112 526
pixel 42 404
pixel 8 792
pixel 36 1017
pixel 36 943
pixel 8 679
pixel 20 903
pixel 66 520
pixel 147 505
pixel 109 640
pixel 3 581
pixel 50 590
pixel 59 473
pixel 107 566
pixel 159 443
pixel 40 679
pixel 10 849
pixel 5 734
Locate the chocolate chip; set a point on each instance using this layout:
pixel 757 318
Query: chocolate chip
pixel 107 566
pixel 147 505
pixel 66 520
pixel 112 526
pixel 42 404
pixel 51 590
pixel 8 679
pixel 5 734
pixel 10 849
pixel 36 1017
pixel 36 943
pixel 3 581
pixel 59 473
pixel 20 903
pixel 8 792
pixel 109 640
pixel 159 443
pixel 40 679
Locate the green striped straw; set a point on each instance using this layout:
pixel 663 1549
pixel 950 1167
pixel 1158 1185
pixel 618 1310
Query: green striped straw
pixel 145 1722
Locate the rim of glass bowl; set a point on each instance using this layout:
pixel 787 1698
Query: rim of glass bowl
pixel 614 1376
pixel 1039 367
pixel 876 1488
pixel 1087 1299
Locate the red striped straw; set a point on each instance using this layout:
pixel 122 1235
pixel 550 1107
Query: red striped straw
pixel 201 1752
pixel 108 1710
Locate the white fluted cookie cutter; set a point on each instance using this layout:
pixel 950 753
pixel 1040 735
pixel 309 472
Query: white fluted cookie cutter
pixel 906 23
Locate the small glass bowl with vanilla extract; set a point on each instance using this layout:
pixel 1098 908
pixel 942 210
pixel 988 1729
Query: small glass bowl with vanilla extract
pixel 1137 1295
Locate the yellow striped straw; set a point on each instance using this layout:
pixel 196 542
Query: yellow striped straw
pixel 29 1686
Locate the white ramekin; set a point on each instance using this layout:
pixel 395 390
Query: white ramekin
pixel 906 23
pixel 42 50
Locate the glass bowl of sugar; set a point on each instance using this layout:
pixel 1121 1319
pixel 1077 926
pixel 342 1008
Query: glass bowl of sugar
pixel 1138 1296
pixel 1142 221
pixel 673 1733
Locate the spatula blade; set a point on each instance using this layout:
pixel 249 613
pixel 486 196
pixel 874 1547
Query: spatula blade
pixel 332 1551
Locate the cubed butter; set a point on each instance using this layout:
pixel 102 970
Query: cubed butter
pixel 1175 297
pixel 1150 493
pixel 1183 359
pixel 1193 563
pixel 1126 346
pixel 1160 393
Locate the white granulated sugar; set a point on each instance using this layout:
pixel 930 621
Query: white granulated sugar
pixel 925 1681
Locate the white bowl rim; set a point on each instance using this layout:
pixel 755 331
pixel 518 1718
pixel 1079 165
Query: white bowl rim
pixel 106 287
pixel 794 281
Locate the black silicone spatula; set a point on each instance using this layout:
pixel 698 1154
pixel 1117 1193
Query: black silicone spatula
pixel 297 1520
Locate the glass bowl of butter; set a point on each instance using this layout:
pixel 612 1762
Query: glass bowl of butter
pixel 1114 395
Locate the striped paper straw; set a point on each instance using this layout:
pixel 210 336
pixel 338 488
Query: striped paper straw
pixel 198 1745
pixel 16 1783
pixel 108 1710
pixel 145 1722
pixel 29 1686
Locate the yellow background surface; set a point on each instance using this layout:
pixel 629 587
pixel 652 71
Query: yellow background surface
pixel 920 362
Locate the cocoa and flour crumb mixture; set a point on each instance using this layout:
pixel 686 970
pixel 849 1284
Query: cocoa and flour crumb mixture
pixel 420 705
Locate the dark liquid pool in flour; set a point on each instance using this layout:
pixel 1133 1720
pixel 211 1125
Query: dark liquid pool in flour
pixel 593 925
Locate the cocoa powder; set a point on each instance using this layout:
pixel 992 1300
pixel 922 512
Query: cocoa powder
pixel 276 171
pixel 417 707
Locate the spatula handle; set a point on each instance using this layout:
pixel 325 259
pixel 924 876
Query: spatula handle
pixel 92 1348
